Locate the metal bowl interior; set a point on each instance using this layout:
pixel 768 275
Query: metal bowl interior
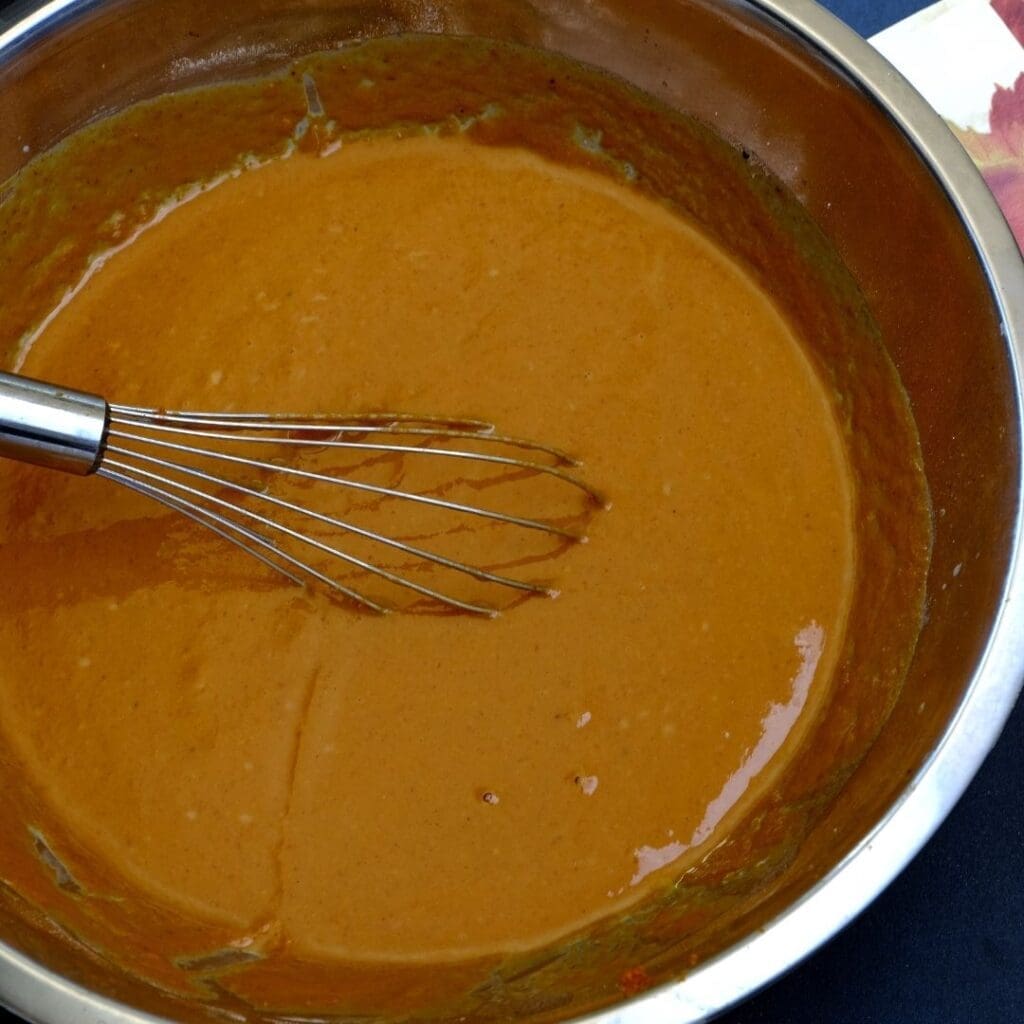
pixel 905 210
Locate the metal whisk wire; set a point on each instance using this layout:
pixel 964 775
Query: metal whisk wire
pixel 153 452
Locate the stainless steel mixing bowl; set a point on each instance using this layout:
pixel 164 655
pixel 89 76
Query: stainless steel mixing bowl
pixel 913 221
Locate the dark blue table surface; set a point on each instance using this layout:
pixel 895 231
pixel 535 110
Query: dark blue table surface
pixel 945 943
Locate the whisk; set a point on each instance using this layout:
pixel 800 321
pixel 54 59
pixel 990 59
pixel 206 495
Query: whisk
pixel 183 460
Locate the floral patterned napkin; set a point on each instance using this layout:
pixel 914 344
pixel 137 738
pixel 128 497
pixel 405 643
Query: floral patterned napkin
pixel 967 58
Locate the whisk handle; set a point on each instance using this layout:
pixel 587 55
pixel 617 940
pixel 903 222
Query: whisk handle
pixel 51 426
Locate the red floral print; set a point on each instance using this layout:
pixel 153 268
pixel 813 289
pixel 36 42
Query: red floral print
pixel 1012 12
pixel 999 153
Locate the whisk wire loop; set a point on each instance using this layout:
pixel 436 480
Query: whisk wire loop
pixel 341 524
pixel 376 570
pixel 221 526
pixel 167 455
pixel 342 481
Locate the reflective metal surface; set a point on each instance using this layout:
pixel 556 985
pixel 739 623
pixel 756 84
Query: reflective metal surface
pixel 902 204
pixel 59 428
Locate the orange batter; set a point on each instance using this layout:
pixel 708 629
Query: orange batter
pixel 289 770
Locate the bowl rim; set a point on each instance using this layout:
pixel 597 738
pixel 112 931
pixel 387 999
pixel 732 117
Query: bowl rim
pixel 38 994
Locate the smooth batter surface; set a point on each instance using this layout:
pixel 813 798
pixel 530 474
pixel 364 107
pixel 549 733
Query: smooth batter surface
pixel 268 761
